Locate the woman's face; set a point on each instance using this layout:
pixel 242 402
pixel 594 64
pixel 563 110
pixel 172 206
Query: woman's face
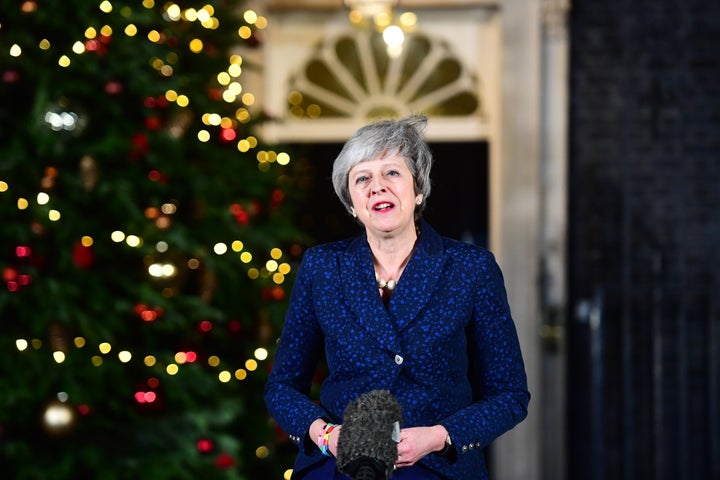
pixel 383 195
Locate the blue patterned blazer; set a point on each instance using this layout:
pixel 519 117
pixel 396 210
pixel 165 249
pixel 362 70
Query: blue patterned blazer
pixel 446 347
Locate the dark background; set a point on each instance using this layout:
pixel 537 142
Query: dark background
pixel 457 206
pixel 644 263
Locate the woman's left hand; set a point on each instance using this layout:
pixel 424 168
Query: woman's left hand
pixel 416 442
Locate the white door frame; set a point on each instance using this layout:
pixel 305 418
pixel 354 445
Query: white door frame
pixel 520 151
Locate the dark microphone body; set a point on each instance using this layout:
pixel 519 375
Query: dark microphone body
pixel 367 444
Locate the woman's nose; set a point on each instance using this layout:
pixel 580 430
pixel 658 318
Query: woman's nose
pixel 376 185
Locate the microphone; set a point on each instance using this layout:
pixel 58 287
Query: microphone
pixel 367 443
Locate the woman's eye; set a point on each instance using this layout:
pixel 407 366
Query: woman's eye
pixel 361 179
pixel 392 173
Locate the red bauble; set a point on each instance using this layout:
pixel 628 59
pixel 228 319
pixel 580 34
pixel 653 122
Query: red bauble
pixel 205 445
pixel 82 256
pixel 113 88
pixel 224 460
pixel 153 123
pixel 140 145
pixel 10 76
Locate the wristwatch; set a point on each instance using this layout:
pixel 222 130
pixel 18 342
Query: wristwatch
pixel 447 447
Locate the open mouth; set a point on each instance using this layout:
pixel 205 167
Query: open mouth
pixel 381 206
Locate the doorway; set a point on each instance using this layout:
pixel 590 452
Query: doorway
pixel 457 207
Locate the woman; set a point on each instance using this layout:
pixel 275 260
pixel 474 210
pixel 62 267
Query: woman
pixel 403 309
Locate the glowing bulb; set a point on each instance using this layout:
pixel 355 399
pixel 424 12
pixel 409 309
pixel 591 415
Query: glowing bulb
pixel 196 45
pixel 58 416
pixel 234 71
pixel 250 16
pixel 393 36
pixel 283 158
pixel 244 32
pixel 133 241
pixel 190 14
pixel 203 136
pixel 271 265
pixel 173 12
pixel 203 15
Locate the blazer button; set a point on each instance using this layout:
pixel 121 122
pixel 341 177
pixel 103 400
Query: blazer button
pixel 398 359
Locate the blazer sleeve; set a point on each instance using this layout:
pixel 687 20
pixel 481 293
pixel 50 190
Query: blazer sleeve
pixel 296 359
pixel 496 368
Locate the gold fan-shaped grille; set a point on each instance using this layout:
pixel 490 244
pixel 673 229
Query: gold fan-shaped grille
pixel 353 75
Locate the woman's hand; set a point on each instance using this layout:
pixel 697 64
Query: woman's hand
pixel 316 429
pixel 333 440
pixel 417 442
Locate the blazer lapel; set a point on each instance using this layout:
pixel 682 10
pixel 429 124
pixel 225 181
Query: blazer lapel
pixel 420 278
pixel 356 272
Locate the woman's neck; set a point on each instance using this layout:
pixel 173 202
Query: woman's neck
pixel 391 254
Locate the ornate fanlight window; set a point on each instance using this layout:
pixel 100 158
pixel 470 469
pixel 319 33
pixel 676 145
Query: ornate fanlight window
pixel 354 75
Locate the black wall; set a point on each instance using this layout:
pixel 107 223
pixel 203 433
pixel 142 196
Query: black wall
pixel 644 256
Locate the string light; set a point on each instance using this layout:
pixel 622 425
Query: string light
pixel 380 13
pixel 59 415
pixel 179 358
pixel 106 6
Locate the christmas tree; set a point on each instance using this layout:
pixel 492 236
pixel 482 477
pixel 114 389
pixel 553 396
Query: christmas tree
pixel 147 243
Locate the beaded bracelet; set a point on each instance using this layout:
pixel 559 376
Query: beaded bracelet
pixel 324 439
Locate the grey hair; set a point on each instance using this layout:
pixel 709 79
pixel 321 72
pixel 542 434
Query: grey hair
pixel 383 138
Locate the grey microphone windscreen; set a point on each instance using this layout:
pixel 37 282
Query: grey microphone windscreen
pixel 369 435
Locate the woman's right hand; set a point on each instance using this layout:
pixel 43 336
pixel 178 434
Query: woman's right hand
pixel 333 440
pixel 316 430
